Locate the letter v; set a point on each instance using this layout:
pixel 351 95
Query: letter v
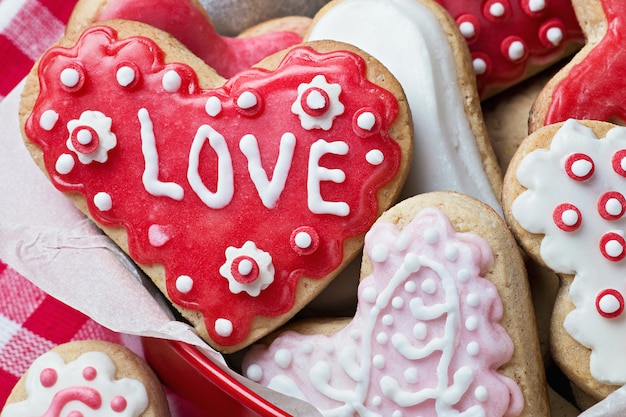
pixel 269 191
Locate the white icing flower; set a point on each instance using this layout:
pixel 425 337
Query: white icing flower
pixel 91 137
pixel 247 269
pixel 318 103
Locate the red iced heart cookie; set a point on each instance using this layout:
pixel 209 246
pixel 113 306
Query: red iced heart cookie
pixel 591 86
pixel 241 199
pixel 188 22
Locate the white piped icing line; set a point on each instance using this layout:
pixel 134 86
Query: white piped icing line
pixel 582 219
pixel 85 386
pixel 409 317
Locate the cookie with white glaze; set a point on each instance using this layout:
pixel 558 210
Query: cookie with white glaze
pixel 444 324
pixel 90 378
pixel 564 200
pixel 240 198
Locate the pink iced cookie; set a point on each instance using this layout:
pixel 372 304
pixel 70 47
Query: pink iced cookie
pixel 242 198
pixel 591 86
pixel 188 22
pixel 511 40
pixel 441 325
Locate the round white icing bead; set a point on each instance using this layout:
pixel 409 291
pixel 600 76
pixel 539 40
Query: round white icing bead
pixel 184 284
pixel 84 137
pixel 497 9
pixel 473 348
pixel 581 168
pixel 569 217
pixel 411 375
pixel 283 358
pixel 480 66
pixel 613 207
pixel 463 275
pixel 246 100
pixel 213 106
pixel 397 302
pixel 171 81
pixel 379 361
pixel 467 29
pixel 555 36
pixel 429 286
pixel 48 120
pixel 613 248
pixel 609 304
pixel 516 50
pixel 315 100
pixel 65 164
pixel 410 286
pixel 369 294
pixel 471 323
pixel 366 120
pixel 473 299
pixel 380 252
pixel 387 320
pixel 223 327
pixel 254 372
pixel 303 240
pixel 103 201
pixel 375 157
pixel 245 267
pixel 419 331
pixel 451 252
pixel 536 5
pixel 382 338
pixel 431 236
pixel 125 76
pixel 411 262
pixel 70 77
pixel 481 394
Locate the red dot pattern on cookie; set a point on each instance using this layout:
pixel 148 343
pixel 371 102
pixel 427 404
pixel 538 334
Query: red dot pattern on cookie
pixel 613 246
pixel 610 303
pixel 567 217
pixel 611 205
pixel 579 167
pixel 48 377
pixel 506 37
pixel 619 162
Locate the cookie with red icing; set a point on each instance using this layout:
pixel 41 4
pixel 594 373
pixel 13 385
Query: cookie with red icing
pixel 443 324
pixel 591 85
pixel 88 378
pixel 188 22
pixel 241 198
pixel 564 199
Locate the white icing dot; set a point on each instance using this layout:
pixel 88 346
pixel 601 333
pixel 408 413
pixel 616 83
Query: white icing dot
pixel 555 36
pixel 376 401
pixel 481 394
pixel 471 323
pixel 609 304
pixel 473 348
pixel 246 100
pixel 254 372
pixel 355 334
pixel 396 413
pixel 431 236
pixel 213 106
pixel 429 286
pixel 303 240
pixel 48 120
pixel 536 5
pixel 451 252
pixel 329 348
pixel 245 267
pixel 283 358
pixel 65 164
pixel 379 361
pixel 307 348
pixel 411 262
pixel 622 164
pixel 382 338
pixel 380 252
pixel 419 331
pixel 402 242
pixel 411 375
pixel 473 299
pixel 397 302
pixel 84 137
pixel 369 294
pixel 184 284
pixel 569 217
pixel 516 50
pixel 467 29
pixel 410 286
pixel 315 100
pixel 125 76
pixel 70 77
pixel 613 248
pixel 171 81
pixel 157 236
pixel 463 275
pixel 366 120
pixel 581 168
pixel 480 66
pixel 387 319
pixel 223 327
pixel 103 201
pixel 375 157
pixel 497 9
pixel 613 207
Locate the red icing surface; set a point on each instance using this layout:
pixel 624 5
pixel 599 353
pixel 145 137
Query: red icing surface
pixel 594 88
pixel 493 35
pixel 191 26
pixel 193 238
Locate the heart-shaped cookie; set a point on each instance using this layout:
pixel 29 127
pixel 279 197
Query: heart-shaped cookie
pixel 564 197
pixel 443 324
pixel 241 198
pixel 188 22
pixel 88 378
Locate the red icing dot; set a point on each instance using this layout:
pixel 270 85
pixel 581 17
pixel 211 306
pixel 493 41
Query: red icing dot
pixel 304 240
pixel 482 64
pixel 315 101
pixel 361 122
pixel 611 205
pixel 613 246
pixel 85 139
pixel 118 404
pixel 610 303
pixel 127 74
pixel 514 49
pixel 90 373
pixel 496 10
pixel 619 162
pixel 72 77
pixel 579 167
pixel 552 33
pixel 567 217
pixel 48 377
pixel 469 25
pixel 249 103
pixel 245 270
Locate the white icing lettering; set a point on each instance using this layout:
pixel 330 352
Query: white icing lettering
pixel 317 174
pixel 151 160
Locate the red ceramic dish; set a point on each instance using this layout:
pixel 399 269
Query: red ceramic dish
pixel 189 373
